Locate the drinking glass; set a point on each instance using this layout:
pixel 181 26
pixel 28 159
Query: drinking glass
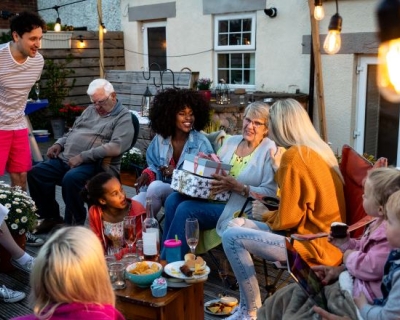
pixel 130 232
pixel 37 90
pixel 223 270
pixel 192 233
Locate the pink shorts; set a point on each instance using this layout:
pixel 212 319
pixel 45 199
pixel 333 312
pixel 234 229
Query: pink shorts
pixel 15 152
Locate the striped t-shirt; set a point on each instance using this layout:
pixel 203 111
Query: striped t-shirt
pixel 16 80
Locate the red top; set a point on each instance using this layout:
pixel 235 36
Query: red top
pixel 96 223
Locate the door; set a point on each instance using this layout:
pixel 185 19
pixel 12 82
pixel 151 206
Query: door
pixel 377 122
pixel 155 44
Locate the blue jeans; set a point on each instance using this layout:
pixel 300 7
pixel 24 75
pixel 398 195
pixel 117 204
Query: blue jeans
pixel 178 208
pixel 242 237
pixel 42 181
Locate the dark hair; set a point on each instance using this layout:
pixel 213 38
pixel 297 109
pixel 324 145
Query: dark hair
pixel 94 190
pixel 26 21
pixel 169 102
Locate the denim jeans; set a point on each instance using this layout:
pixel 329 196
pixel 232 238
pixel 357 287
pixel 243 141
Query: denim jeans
pixel 42 181
pixel 242 238
pixel 178 208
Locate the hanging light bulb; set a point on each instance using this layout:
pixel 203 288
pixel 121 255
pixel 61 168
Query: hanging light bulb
pixel 333 41
pixel 319 12
pixel 104 28
pixel 57 26
pixel 388 75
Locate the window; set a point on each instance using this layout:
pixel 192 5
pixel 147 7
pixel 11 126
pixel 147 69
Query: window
pixel 235 49
pixel 155 48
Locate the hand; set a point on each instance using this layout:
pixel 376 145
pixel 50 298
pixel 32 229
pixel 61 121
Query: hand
pixel 327 315
pixel 276 157
pixel 258 210
pixel 53 151
pixel 360 301
pixel 337 242
pixel 328 274
pixel 223 182
pixel 381 163
pixel 167 171
pixel 143 180
pixel 75 161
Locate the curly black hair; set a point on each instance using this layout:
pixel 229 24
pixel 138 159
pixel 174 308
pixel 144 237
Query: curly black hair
pixel 169 102
pixel 26 21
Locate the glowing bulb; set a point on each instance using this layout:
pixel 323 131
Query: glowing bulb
pixel 319 12
pixel 332 42
pixel 57 26
pixel 388 76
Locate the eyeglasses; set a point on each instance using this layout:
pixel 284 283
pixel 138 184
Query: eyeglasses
pixel 256 124
pixel 101 102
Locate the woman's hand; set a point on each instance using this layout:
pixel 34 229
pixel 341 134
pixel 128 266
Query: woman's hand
pixel 143 180
pixel 328 274
pixel 337 242
pixel 223 182
pixel 258 210
pixel 327 315
pixel 167 171
pixel 276 157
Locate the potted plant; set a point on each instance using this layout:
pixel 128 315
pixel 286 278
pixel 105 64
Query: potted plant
pixel 204 85
pixel 69 112
pixel 133 162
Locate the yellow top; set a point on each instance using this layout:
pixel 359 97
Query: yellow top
pixel 312 198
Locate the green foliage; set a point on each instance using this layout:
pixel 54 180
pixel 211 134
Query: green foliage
pixel 133 156
pixel 57 88
pixel 5 37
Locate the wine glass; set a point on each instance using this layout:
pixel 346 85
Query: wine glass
pixel 37 90
pixel 130 232
pixel 192 233
pixel 223 270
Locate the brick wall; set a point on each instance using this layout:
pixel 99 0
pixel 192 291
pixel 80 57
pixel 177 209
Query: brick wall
pixel 15 6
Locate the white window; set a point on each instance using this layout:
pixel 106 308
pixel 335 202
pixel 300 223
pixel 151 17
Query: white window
pixel 234 44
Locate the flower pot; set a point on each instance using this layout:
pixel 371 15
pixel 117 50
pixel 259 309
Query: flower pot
pixel 127 178
pixel 206 94
pixel 5 256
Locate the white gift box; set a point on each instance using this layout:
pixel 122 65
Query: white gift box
pixel 195 186
pixel 204 167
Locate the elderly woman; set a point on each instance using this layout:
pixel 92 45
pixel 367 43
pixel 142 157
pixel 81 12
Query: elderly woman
pixel 249 155
pixel 312 198
pixel 177 116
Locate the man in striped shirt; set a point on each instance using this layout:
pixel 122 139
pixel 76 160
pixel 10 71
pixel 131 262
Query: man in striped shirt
pixel 20 67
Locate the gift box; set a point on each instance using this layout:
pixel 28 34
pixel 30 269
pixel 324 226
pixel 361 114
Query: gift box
pixel 203 165
pixel 195 186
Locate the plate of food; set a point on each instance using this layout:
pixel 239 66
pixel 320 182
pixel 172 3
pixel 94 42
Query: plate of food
pixel 190 270
pixel 224 306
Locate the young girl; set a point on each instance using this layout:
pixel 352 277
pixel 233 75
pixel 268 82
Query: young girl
pixel 363 258
pixel 109 208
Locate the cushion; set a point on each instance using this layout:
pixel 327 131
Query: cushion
pixel 354 168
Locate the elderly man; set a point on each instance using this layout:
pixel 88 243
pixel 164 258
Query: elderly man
pixel 96 142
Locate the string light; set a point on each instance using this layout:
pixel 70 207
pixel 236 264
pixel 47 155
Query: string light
pixel 319 12
pixel 333 40
pixel 104 28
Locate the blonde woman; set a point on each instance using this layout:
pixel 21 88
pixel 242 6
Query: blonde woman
pixel 70 279
pixel 312 197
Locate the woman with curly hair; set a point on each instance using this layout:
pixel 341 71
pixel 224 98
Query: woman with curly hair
pixel 177 116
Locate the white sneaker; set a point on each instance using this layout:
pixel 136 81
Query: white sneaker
pixel 241 314
pixel 9 295
pixel 32 240
pixel 24 267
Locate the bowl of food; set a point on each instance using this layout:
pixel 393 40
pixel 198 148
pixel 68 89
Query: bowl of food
pixel 143 273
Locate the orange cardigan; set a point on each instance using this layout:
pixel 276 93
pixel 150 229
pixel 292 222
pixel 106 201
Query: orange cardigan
pixel 96 223
pixel 312 197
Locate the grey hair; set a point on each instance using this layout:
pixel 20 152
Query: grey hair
pixel 100 84
pixel 258 109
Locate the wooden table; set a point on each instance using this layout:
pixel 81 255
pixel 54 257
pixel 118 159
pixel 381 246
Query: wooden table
pixel 179 304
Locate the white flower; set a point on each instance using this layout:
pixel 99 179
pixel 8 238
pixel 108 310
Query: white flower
pixel 18 210
pixel 23 219
pixel 8 205
pixel 22 231
pixel 14 226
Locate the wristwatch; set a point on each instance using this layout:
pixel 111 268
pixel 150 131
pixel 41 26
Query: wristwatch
pixel 244 190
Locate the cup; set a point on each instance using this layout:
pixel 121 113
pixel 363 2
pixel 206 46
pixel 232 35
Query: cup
pixel 173 250
pixel 241 100
pixel 139 249
pixel 116 271
pixel 129 258
pixel 110 259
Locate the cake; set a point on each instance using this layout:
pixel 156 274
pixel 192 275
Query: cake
pixel 339 230
pixel 159 287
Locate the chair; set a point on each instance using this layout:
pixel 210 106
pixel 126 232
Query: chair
pixel 354 168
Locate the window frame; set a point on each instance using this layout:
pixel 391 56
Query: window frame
pixel 250 47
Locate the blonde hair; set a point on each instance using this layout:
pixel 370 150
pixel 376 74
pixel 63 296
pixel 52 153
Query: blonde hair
pixel 70 267
pixel 393 204
pixel 384 182
pixel 290 126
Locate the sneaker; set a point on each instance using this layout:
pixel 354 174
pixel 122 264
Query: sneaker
pixel 240 313
pixel 32 240
pixel 9 295
pixel 24 267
